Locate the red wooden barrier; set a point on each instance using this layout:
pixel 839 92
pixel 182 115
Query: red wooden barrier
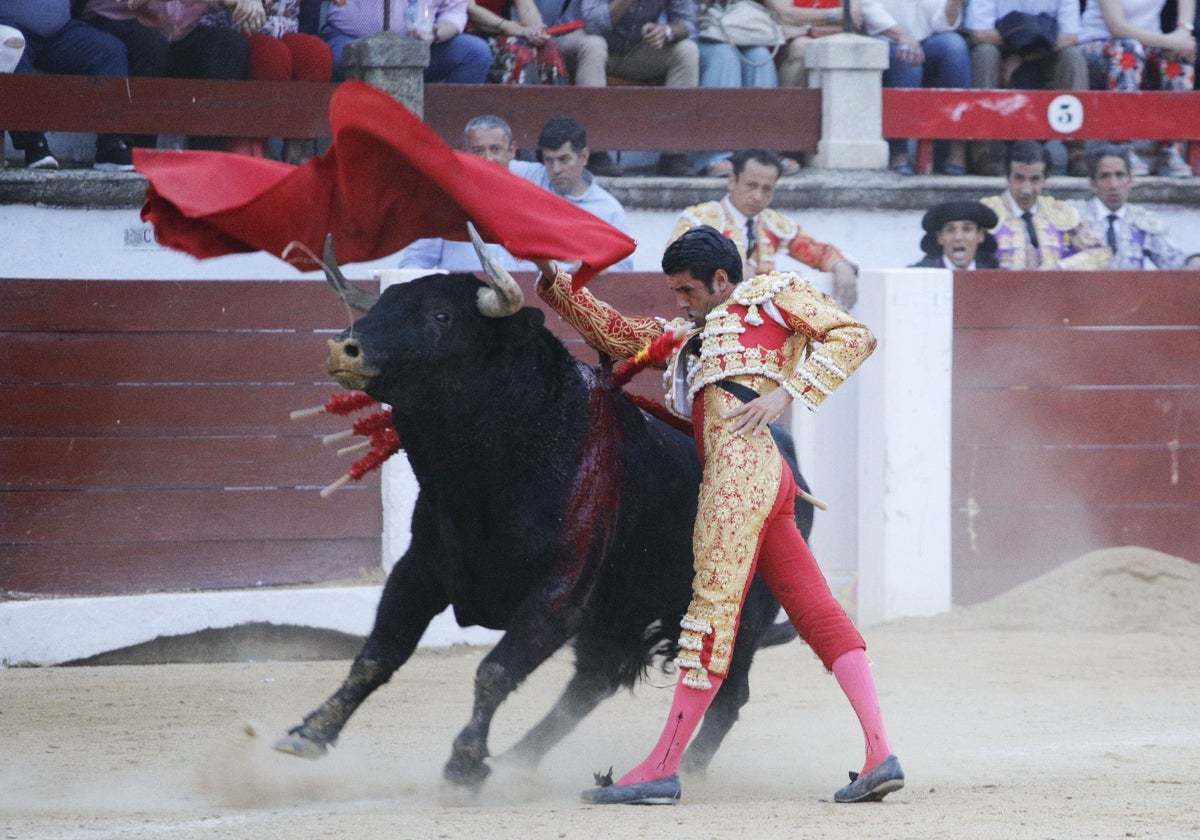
pixel 649 118
pixel 929 114
pixel 1076 420
pixel 145 442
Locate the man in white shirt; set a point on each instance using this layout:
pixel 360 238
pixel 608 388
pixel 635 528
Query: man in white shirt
pixel 563 146
pixel 489 137
pixel 564 152
pixel 1135 234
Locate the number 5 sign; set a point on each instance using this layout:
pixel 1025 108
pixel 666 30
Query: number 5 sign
pixel 1065 114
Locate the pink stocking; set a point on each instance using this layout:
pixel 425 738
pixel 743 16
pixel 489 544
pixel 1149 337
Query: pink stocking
pixel 687 710
pixel 853 673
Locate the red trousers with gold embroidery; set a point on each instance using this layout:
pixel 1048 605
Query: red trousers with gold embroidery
pixel 745 522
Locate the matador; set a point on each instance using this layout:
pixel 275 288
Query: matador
pixel 745 350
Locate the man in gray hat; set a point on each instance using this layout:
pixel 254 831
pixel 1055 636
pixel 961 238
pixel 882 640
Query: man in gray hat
pixel 957 237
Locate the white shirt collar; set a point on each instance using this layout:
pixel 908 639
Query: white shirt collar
pixel 947 264
pixel 1016 210
pixel 1099 211
pixel 739 218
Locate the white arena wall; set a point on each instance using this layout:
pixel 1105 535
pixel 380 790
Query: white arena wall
pixel 878 452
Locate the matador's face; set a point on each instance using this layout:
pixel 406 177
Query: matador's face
pixel 696 299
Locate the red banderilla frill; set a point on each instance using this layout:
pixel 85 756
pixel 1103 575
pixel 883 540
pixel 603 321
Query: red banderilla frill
pixel 382 440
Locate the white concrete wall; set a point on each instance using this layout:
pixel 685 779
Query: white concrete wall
pixel 103 244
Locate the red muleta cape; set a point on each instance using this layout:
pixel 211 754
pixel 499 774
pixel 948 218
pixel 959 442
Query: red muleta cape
pixel 386 181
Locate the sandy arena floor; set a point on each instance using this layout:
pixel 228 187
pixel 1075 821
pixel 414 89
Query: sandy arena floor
pixel 1068 708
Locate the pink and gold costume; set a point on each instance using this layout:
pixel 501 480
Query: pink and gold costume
pixel 775 330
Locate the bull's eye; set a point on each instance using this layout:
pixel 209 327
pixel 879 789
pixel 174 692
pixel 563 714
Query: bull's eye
pixel 442 317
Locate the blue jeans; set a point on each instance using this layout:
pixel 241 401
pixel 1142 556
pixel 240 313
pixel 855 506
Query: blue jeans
pixel 464 59
pixel 947 65
pixel 76 49
pixel 720 67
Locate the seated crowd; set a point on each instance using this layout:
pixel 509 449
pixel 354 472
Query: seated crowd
pixel 1052 44
pixel 1022 228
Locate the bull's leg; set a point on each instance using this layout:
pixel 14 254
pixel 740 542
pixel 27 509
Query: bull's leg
pixel 586 689
pixel 407 606
pixel 536 633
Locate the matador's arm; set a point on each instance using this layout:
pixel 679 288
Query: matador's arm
pixel 844 342
pixel 604 328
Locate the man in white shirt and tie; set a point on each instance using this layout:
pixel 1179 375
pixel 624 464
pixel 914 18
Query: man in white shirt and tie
pixel 1137 236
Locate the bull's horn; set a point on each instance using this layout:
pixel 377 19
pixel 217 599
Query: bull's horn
pixel 353 296
pixel 503 296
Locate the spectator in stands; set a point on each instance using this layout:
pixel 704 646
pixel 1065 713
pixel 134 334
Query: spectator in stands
pixel 1192 261
pixel 489 137
pixel 1036 231
pixel 523 52
pixel 724 65
pixel 924 50
pixel 454 56
pixel 957 236
pixel 12 47
pixel 745 217
pixel 279 51
pixel 804 21
pixel 1126 49
pixel 1134 233
pixel 167 39
pixel 586 54
pixel 1038 61
pixel 648 40
pixel 563 148
pixel 54 43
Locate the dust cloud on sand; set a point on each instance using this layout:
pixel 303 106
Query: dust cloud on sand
pixel 1066 708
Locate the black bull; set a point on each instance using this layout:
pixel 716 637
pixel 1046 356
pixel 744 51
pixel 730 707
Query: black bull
pixel 550 507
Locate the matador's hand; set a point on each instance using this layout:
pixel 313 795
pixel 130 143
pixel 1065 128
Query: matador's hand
pixel 845 284
pixel 549 269
pixel 755 416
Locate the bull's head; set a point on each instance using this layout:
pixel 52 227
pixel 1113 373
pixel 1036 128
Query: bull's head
pixel 412 325
pixel 499 299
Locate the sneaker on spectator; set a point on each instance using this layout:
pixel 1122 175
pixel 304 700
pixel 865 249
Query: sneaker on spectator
pixel 1138 167
pixel 39 157
pixel 1172 164
pixel 115 157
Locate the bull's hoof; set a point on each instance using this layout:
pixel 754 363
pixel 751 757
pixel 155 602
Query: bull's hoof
pixel 296 744
pixel 466 775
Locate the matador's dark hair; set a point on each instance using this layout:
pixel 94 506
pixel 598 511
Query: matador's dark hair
pixel 700 252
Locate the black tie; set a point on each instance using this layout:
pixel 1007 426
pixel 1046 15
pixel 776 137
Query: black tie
pixel 751 239
pixel 1029 228
pixel 1112 232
